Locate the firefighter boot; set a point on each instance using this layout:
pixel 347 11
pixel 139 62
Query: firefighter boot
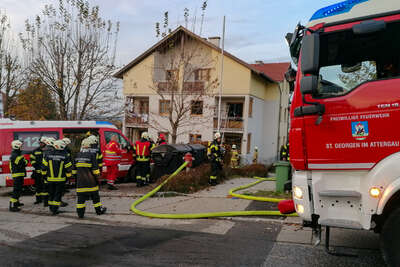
pixel 81 212
pixel 45 201
pixel 100 210
pixel 19 204
pixel 14 207
pixel 64 204
pixel 38 200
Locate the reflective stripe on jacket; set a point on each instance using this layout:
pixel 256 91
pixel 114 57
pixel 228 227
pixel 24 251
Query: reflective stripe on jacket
pixel 112 154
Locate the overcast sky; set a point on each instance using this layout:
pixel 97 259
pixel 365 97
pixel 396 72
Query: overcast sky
pixel 255 29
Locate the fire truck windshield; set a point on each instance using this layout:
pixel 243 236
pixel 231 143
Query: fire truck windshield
pixel 348 60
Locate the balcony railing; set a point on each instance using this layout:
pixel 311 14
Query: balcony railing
pixel 193 87
pixel 233 124
pixel 137 119
pixel 188 87
pixel 167 86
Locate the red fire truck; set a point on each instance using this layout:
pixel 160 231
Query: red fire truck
pixel 30 133
pixel 345 120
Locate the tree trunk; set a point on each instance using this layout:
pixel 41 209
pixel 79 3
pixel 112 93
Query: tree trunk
pixel 174 134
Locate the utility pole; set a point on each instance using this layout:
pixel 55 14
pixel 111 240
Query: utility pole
pixel 222 73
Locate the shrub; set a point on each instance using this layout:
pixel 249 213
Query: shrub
pixel 197 178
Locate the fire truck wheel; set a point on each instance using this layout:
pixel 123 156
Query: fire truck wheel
pixel 390 239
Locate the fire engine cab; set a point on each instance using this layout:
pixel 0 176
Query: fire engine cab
pixel 30 132
pixel 345 120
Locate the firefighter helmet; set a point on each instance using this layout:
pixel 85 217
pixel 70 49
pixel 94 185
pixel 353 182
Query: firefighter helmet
pixel 67 141
pixel 255 148
pixel 59 144
pixel 86 142
pixel 43 139
pixel 162 136
pixel 16 144
pixel 217 135
pixel 145 135
pixel 233 146
pixel 93 139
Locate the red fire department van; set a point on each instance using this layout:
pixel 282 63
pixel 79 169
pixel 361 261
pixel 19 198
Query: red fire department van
pixel 30 133
pixel 345 115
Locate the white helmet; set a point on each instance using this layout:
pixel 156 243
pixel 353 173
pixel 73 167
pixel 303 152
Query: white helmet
pixel 86 143
pixel 93 139
pixel 66 140
pixel 145 135
pixel 255 148
pixel 16 144
pixel 43 139
pixel 51 141
pixel 233 146
pixel 217 135
pixel 59 145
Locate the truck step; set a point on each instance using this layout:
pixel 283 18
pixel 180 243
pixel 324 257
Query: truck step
pixel 340 193
pixel 341 223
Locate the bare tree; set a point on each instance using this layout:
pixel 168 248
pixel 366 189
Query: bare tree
pixel 71 49
pixel 11 76
pixel 188 87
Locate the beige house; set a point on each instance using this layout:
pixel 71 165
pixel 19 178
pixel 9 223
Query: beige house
pixel 253 105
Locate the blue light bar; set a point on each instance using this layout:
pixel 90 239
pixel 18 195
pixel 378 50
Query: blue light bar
pixel 104 123
pixel 336 9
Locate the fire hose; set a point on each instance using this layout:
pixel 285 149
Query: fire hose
pixel 210 214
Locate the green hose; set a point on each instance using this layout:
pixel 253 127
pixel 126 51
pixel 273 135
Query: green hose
pixel 209 214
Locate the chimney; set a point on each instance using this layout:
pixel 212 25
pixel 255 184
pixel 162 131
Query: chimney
pixel 260 62
pixel 214 40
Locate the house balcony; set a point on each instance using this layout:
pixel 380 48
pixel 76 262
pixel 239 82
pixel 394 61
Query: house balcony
pixel 137 120
pixel 166 87
pixel 230 124
pixel 195 87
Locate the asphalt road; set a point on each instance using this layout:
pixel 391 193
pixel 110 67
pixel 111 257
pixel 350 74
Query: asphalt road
pixel 245 244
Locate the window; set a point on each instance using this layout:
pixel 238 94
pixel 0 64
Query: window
pixel 202 75
pixel 121 140
pixel 172 75
pixel 248 143
pixel 31 139
pixel 164 107
pixel 144 107
pixel 251 107
pixel 347 60
pixel 235 110
pixel 194 138
pixel 197 108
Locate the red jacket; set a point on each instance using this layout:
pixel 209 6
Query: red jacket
pixel 112 155
pixel 143 149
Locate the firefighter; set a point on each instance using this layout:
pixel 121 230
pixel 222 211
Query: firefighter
pixel 36 158
pixel 18 172
pixel 112 158
pixel 87 185
pixel 67 149
pixel 216 159
pixel 255 155
pixel 94 148
pixel 57 168
pixel 284 152
pixel 49 148
pixel 143 149
pixel 234 157
pixel 161 140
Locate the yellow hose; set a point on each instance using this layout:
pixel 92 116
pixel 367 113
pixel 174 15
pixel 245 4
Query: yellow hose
pixel 209 214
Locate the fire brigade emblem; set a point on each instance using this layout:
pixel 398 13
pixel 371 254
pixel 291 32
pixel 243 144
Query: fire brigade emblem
pixel 360 130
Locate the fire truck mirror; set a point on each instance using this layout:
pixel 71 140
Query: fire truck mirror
pixel 309 85
pixel 369 27
pixel 310 54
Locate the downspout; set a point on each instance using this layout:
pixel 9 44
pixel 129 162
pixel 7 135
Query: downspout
pixel 279 121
